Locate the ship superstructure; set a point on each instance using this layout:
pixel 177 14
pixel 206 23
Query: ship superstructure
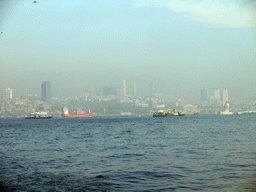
pixel 161 113
pixel 38 115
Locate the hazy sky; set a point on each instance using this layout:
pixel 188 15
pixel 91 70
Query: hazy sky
pixel 82 46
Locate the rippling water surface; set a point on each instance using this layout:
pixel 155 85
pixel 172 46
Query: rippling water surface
pixel 189 153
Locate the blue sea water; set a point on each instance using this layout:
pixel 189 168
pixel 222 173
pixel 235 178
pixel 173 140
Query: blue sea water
pixel 188 153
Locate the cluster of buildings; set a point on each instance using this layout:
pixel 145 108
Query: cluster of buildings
pixel 220 101
pixel 112 103
pixel 21 106
pixel 218 98
pixel 109 90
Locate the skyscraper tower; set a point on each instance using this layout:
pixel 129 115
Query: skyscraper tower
pixel 124 88
pixel 225 95
pixel 152 90
pixel 217 94
pixel 8 93
pixel 203 95
pixel 46 92
pixel 134 90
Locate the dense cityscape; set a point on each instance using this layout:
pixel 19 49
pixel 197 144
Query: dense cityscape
pixel 109 102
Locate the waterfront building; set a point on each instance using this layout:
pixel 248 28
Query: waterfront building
pixel 8 93
pixel 226 110
pixel 46 92
pixel 124 88
pixel 203 97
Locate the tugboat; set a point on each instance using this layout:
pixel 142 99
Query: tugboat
pixel 38 115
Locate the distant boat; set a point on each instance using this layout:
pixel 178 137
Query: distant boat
pixel 38 115
pixel 162 113
pixel 66 114
pixel 175 113
pixel 180 113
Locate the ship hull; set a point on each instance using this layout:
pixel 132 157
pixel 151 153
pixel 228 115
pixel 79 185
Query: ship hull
pixel 168 114
pixel 48 117
pixel 77 115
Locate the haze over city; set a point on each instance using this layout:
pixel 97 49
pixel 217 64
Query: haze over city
pixel 81 46
pixel 127 95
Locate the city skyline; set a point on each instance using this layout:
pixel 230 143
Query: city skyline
pixel 221 93
pixel 217 95
pixel 110 104
pixel 82 46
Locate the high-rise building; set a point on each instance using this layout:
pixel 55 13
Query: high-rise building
pixel 46 92
pixel 217 94
pixel 211 100
pixel 124 88
pixel 8 93
pixel 203 95
pixel 152 90
pixel 225 95
pixel 134 90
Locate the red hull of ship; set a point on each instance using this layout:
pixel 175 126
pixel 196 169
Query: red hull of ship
pixel 76 115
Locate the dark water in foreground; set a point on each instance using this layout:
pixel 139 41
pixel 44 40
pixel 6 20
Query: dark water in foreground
pixel 190 153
